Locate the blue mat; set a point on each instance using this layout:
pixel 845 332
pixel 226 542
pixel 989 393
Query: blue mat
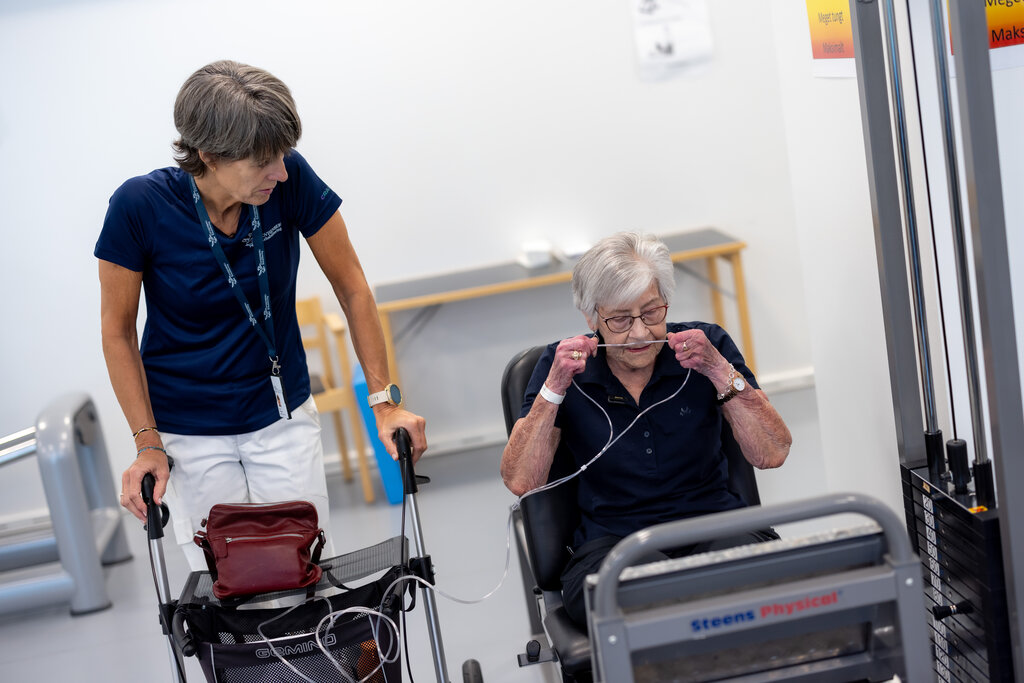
pixel 390 471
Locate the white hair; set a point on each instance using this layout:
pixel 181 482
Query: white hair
pixel 618 269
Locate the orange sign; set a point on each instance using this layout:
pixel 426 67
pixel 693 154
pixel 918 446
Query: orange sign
pixel 1005 22
pixel 831 31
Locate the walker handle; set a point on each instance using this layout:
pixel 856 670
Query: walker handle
pixel 157 516
pixel 404 444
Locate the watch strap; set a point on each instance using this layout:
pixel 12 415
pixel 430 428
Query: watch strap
pixel 730 389
pixel 385 396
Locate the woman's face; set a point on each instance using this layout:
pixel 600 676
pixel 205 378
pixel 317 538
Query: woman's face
pixel 249 181
pixel 642 355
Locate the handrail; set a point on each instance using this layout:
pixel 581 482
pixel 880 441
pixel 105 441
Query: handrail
pixel 17 446
pixel 686 531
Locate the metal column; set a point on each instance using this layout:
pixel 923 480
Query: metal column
pixel 969 29
pixel 885 208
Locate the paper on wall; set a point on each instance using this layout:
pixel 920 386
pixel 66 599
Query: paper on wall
pixel 672 37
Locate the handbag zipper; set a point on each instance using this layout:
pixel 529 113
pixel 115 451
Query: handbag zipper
pixel 231 539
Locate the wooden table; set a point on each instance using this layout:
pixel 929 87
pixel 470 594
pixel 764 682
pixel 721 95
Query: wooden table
pixel 707 244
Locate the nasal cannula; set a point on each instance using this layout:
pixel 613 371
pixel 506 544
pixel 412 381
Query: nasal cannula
pixel 638 343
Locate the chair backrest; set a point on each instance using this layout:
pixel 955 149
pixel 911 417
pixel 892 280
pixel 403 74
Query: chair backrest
pixel 551 517
pixel 310 315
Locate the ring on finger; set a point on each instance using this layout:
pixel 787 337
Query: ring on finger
pixel 684 346
pixel 576 355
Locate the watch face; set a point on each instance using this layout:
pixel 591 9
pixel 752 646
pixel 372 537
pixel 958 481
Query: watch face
pixel 394 394
pixel 738 383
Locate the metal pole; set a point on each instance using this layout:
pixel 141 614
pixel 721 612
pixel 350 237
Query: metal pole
pixel 433 625
pixel 910 214
pixel 163 591
pixel 995 302
pixel 889 247
pixel 17 446
pixel 936 10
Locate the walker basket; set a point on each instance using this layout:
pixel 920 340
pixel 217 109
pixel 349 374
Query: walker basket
pixel 232 649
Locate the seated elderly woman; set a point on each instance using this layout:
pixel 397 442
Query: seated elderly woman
pixel 660 390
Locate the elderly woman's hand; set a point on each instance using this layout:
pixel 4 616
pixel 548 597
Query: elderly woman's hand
pixel 570 360
pixel 695 352
pixel 149 461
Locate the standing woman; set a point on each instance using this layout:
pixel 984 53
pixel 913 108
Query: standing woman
pixel 220 381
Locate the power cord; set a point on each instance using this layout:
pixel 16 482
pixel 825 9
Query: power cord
pixel 375 616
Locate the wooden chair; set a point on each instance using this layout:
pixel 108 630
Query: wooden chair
pixel 330 396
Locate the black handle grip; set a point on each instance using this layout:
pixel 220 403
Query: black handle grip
pixel 943 611
pixel 182 638
pixel 935 454
pixel 148 484
pixel 157 516
pixel 403 442
pixel 956 452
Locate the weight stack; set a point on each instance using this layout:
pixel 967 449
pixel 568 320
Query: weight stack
pixel 965 592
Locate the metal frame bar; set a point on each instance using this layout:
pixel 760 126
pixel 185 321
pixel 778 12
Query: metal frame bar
pixel 889 247
pixel 969 28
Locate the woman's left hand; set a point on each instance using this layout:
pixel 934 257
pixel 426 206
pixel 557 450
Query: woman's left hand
pixel 694 351
pixel 390 418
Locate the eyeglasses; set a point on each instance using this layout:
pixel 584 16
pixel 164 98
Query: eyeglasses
pixel 623 323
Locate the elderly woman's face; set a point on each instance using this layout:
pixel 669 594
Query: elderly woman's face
pixel 249 181
pixel 641 355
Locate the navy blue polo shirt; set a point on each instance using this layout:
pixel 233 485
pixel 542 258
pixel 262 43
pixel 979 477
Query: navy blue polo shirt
pixel 669 465
pixel 207 370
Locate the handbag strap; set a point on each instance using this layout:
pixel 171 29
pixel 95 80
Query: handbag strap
pixel 201 540
pixel 314 558
pixel 321 540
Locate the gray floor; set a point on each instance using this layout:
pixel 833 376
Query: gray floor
pixel 463 513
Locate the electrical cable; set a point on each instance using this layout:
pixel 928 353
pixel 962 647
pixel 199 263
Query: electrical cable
pixel 375 616
pixel 611 440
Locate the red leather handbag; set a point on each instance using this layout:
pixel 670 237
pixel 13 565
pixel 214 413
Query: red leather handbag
pixel 261 547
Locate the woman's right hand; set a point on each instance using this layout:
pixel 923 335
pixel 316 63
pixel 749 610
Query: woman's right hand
pixel 150 461
pixel 570 360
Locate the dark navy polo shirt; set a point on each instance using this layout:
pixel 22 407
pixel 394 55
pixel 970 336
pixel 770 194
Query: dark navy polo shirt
pixel 207 369
pixel 669 465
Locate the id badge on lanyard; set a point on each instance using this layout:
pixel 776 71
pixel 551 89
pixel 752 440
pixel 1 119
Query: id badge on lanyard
pixel 266 330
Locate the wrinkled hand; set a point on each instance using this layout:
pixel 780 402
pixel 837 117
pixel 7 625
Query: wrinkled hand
pixel 570 360
pixel 695 352
pixel 149 462
pixel 390 418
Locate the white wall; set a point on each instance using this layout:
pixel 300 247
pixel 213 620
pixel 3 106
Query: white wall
pixel 454 131
pixel 834 225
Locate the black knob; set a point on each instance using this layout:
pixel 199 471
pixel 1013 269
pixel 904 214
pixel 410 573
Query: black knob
pixel 943 611
pixel 956 453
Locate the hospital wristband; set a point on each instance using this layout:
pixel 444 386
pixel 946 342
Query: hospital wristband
pixel 550 396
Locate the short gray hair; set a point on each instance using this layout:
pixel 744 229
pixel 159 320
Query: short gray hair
pixel 233 111
pixel 618 269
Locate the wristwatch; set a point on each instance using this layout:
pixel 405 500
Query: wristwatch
pixel 391 394
pixel 736 385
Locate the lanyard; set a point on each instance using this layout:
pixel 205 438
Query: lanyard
pixel 266 331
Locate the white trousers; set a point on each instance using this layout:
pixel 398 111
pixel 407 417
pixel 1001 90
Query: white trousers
pixel 284 461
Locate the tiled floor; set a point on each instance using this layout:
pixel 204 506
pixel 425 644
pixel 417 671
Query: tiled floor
pixel 463 514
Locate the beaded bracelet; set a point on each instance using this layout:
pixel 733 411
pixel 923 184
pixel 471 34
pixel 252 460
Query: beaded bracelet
pixel 144 429
pixel 150 448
